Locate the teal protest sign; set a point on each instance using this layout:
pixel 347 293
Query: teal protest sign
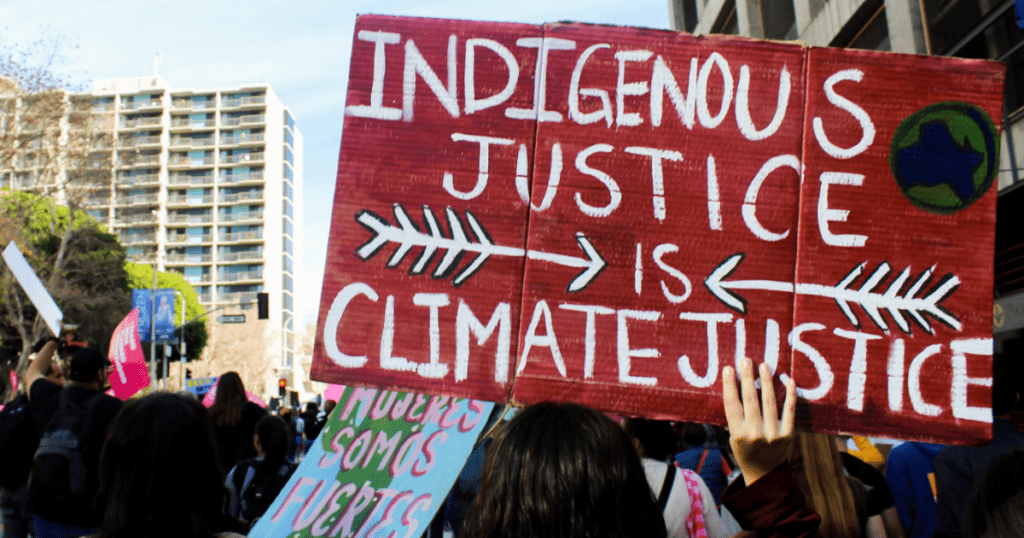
pixel 381 467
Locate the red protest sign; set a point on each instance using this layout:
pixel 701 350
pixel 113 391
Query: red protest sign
pixel 610 215
pixel 129 373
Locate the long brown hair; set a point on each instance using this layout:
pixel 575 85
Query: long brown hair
pixel 563 470
pixel 818 470
pixel 227 405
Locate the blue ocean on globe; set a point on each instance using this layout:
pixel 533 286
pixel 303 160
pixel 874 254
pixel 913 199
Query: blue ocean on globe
pixel 937 158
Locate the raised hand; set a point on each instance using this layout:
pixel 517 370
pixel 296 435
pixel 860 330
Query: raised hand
pixel 759 440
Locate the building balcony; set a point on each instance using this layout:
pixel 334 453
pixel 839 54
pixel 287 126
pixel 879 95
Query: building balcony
pixel 190 161
pixel 179 141
pixel 246 276
pixel 189 123
pixel 197 279
pixel 138 180
pixel 204 298
pixel 136 141
pixel 248 255
pixel 189 200
pixel 97 200
pixel 135 219
pixel 138 199
pixel 140 122
pixel 137 239
pixel 183 104
pixel 242 158
pixel 142 105
pixel 252 176
pixel 186 239
pixel 179 259
pixel 243 101
pixel 241 197
pixel 237 297
pixel 233 237
pixel 243 120
pixel 241 216
pixel 138 257
pixel 241 139
pixel 185 179
pixel 190 219
pixel 139 159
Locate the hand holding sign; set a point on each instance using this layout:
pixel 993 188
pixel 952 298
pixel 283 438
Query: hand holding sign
pixel 759 445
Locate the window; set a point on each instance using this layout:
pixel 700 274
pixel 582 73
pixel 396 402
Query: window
pixel 288 246
pixel 778 18
pixel 288 208
pixel 288 138
pixel 287 263
pixel 287 300
pixel 288 191
pixel 286 321
pixel 287 283
pixel 288 358
pixel 289 121
pixel 288 155
pixel 288 172
pixel 874 35
pixel 288 228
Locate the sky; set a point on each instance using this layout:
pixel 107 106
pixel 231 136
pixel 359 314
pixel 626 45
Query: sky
pixel 301 49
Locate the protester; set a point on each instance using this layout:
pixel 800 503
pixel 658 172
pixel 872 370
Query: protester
pixel 839 500
pixel 566 470
pixel 703 456
pixel 287 414
pixel 996 508
pixel 684 499
pixel 911 480
pixel 958 467
pixel 254 483
pixel 160 477
pixel 72 423
pixel 309 428
pixel 18 443
pixel 234 420
pixel 878 505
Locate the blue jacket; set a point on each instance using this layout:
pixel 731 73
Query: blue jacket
pixel 911 479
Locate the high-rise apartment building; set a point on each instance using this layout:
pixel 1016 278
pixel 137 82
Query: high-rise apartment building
pixel 205 183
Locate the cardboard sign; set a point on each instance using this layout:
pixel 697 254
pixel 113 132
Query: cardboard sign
pixel 382 466
pixel 129 374
pixel 33 287
pixel 610 215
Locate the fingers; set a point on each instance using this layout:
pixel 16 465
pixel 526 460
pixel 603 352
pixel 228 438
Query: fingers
pixel 771 416
pixel 751 403
pixel 731 400
pixel 788 410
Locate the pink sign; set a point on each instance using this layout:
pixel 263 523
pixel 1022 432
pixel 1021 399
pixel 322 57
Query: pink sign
pixel 129 374
pixel 212 395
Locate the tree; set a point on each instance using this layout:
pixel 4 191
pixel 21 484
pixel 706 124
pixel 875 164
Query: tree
pixel 79 261
pixel 140 277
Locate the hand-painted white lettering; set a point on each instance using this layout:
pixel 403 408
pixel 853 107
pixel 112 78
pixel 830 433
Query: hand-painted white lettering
pixel 625 354
pixel 388 361
pixel 538 113
pixel 659 252
pixel 376 108
pixel 772 343
pixel 333 320
pixel 858 367
pixel 866 125
pixel 685 368
pixel 826 215
pixel 554 178
pixel 663 81
pixel 750 201
pixel 590 333
pixel 434 369
pixel 914 383
pixel 614 195
pixel 548 340
pixel 605 112
pixel 958 390
pixel 638 270
pixel 657 175
pixel 472 103
pixel 484 169
pixel 622 89
pixel 825 375
pixel 714 203
pixel 703 114
pixel 466 322
pixel 894 372
pixel 522 175
pixel 415 64
pixel 746 124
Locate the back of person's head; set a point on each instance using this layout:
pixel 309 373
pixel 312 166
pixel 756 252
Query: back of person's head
pixel 694 434
pixel 85 363
pixel 312 408
pixel 159 472
pixel 329 406
pixel 273 435
pixel 996 508
pixel 818 470
pixel 227 404
pixel 563 470
pixel 656 437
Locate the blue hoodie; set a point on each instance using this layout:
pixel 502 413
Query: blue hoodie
pixel 911 478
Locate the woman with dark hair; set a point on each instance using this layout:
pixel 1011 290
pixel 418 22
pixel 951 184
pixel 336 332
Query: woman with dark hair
pixel 996 508
pixel 234 420
pixel 159 474
pixel 254 483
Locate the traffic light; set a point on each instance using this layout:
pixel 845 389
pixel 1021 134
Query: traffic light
pixel 262 306
pixel 282 386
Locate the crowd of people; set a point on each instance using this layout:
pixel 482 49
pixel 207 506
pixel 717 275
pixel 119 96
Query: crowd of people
pixel 163 465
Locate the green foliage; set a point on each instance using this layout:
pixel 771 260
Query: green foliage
pixel 140 277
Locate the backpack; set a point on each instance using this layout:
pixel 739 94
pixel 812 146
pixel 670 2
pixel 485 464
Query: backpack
pixel 263 489
pixel 59 470
pixel 18 442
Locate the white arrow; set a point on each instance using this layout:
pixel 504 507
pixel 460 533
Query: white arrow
pixel 892 300
pixel 457 244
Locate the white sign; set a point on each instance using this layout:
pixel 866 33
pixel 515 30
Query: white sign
pixel 33 287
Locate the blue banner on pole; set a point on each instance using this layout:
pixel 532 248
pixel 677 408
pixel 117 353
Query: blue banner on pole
pixel 143 300
pixel 164 318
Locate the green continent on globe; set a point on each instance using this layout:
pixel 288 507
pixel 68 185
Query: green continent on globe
pixel 944 156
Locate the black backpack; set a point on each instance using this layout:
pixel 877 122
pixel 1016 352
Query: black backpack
pixel 18 442
pixel 263 489
pixel 59 472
